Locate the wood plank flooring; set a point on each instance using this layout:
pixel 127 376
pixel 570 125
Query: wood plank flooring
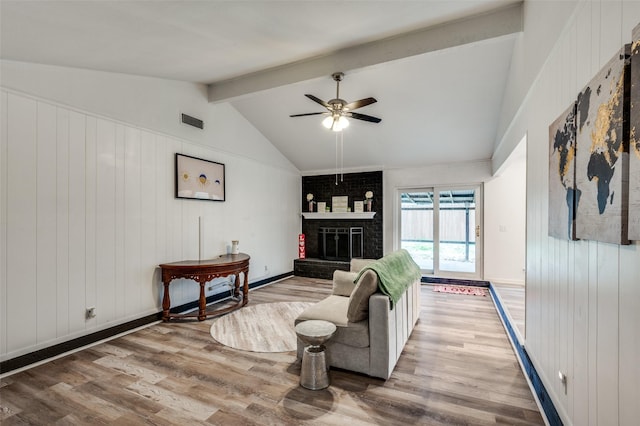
pixel 513 302
pixel 457 368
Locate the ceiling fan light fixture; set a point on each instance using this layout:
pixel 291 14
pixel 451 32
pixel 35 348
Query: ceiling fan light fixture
pixel 338 109
pixel 336 124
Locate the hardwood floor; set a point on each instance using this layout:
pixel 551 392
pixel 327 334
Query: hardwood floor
pixel 457 368
pixel 513 302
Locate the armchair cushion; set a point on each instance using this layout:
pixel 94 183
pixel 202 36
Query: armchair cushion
pixel 343 283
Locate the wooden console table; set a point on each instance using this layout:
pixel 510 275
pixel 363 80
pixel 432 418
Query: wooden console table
pixel 203 271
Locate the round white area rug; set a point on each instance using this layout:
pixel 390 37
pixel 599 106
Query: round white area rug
pixel 267 327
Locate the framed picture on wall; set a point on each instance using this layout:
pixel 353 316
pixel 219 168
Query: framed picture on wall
pixel 199 179
pixel 563 194
pixel 602 154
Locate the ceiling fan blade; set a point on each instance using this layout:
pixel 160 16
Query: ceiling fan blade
pixel 359 104
pixel 318 100
pixel 363 117
pixel 309 113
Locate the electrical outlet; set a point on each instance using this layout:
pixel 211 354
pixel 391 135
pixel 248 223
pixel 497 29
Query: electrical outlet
pixel 265 268
pixel 90 312
pixel 210 288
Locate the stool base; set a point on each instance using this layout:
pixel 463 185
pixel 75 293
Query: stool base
pixel 314 373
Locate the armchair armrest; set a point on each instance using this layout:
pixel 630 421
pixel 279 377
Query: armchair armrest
pixel 382 336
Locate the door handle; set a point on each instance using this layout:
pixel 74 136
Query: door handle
pixel 477 231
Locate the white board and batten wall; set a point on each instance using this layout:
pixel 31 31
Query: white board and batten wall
pixel 87 210
pixel 582 297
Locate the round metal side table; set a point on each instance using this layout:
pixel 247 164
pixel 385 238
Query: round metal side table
pixel 314 373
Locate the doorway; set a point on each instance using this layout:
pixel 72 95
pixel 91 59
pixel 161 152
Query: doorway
pixel 440 228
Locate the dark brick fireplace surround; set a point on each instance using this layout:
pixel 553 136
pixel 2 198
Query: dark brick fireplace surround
pixel 323 187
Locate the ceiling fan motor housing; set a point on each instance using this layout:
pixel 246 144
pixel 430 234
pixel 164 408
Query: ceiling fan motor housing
pixel 339 108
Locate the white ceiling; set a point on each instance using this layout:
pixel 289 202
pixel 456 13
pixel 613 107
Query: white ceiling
pixel 437 70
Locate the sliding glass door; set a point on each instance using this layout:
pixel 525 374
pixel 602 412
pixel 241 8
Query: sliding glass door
pixel 440 227
pixel 416 227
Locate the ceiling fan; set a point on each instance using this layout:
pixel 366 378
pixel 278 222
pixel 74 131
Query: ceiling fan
pixel 338 110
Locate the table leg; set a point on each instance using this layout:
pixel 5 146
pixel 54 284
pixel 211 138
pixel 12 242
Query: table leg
pixel 202 308
pixel 166 302
pixel 245 287
pixel 236 285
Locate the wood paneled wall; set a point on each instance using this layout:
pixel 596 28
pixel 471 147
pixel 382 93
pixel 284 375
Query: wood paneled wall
pixel 583 298
pixel 87 212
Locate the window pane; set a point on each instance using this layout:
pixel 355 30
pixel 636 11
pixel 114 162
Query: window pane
pixel 457 231
pixel 417 227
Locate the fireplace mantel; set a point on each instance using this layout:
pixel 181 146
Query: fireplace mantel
pixel 347 215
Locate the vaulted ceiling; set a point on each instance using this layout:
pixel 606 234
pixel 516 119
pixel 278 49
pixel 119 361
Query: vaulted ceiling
pixel 437 68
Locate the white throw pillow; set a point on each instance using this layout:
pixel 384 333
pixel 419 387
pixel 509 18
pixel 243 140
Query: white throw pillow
pixel 343 283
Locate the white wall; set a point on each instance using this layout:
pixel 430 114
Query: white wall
pixel 87 207
pixel 583 298
pixel 504 221
pixel 530 53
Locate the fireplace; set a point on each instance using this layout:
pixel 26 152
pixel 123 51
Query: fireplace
pixel 341 243
pixel 357 237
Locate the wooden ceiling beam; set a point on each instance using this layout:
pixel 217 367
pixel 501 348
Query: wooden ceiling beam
pixel 496 23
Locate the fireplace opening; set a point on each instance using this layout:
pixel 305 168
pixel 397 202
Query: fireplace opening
pixel 341 243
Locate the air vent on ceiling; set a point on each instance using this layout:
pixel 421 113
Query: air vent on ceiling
pixel 192 121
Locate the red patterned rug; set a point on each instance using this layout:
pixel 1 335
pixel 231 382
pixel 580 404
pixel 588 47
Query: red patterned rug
pixel 461 289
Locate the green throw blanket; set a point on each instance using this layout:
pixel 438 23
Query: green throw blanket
pixel 396 272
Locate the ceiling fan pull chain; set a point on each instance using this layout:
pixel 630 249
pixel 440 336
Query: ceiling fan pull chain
pixel 336 158
pixel 341 156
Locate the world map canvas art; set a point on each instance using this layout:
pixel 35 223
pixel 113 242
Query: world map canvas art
pixel 634 148
pixel 602 156
pixel 563 194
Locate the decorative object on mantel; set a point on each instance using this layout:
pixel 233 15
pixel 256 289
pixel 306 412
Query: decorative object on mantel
pixel 340 204
pixel 368 199
pixel 358 206
pixel 310 201
pixel 322 206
